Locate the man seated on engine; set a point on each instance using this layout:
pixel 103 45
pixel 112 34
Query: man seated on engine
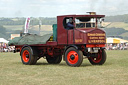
pixel 70 24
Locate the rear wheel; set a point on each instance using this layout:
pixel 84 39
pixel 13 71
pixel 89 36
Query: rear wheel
pixel 99 59
pixel 73 57
pixel 54 60
pixel 26 56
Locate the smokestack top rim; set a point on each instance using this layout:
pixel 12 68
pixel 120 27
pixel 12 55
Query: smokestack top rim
pixel 92 13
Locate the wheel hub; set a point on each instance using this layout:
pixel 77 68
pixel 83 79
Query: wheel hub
pixel 27 56
pixel 72 57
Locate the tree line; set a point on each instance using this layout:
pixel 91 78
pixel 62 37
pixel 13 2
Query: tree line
pixel 117 18
pixel 50 21
pixel 21 21
pixel 116 32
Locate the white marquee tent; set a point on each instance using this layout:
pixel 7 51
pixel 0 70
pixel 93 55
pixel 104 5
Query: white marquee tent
pixel 116 40
pixel 2 40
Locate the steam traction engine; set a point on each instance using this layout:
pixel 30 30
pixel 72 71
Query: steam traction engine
pixel 86 39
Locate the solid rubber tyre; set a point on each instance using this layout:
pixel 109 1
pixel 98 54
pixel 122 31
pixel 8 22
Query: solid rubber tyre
pixel 73 57
pixel 100 59
pixel 26 56
pixel 54 60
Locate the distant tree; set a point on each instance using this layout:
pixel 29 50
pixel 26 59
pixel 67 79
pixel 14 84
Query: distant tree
pixel 3 33
pixel 126 37
pixel 2 30
pixel 114 31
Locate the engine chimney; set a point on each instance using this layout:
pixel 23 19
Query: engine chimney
pixel 92 13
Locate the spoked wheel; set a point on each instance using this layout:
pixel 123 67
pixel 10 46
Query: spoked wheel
pixel 73 57
pixel 27 57
pixel 54 60
pixel 99 59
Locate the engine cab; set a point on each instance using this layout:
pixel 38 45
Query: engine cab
pixel 85 30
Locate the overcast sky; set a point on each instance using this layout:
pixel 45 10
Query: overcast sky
pixel 52 8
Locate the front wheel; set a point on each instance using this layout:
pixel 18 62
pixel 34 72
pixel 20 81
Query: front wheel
pixel 99 59
pixel 73 57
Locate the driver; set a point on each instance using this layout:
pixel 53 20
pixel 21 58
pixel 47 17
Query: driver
pixel 70 24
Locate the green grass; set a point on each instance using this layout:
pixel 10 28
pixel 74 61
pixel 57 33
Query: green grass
pixel 113 72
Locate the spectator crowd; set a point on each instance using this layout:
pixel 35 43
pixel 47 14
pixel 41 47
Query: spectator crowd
pixel 117 46
pixel 5 48
pixel 111 46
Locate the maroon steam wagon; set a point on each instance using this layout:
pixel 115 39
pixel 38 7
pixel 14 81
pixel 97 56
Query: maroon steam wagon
pixel 83 39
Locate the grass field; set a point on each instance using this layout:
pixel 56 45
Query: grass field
pixel 119 25
pixel 113 72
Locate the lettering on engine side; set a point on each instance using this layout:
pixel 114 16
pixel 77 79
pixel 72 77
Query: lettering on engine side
pixel 96 37
pixel 78 40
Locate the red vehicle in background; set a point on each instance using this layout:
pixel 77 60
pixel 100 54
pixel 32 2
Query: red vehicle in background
pixel 85 39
